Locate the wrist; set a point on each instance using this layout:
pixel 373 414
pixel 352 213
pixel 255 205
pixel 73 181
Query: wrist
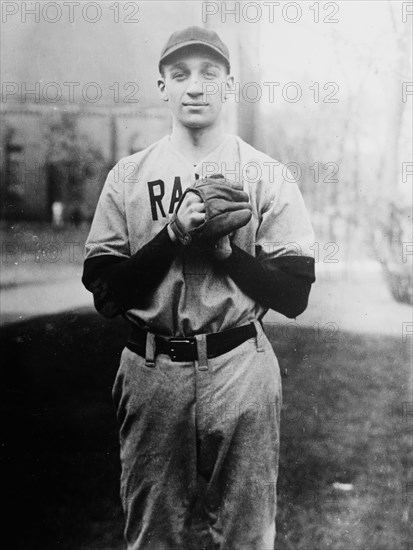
pixel 171 234
pixel 179 231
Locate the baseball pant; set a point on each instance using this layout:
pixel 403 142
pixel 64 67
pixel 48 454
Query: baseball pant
pixel 199 449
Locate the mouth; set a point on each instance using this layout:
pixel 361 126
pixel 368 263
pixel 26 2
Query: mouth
pixel 199 104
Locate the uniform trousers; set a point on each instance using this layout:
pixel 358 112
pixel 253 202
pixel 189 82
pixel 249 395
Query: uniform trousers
pixel 199 449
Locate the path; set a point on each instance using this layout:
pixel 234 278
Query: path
pixel 360 304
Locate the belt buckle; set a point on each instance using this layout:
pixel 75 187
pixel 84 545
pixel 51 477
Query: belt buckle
pixel 178 346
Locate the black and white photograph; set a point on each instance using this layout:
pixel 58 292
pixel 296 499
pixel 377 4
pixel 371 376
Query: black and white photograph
pixel 206 279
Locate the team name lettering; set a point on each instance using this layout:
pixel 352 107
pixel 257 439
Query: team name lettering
pixel 156 190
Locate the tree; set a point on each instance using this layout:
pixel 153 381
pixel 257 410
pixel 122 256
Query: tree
pixel 70 159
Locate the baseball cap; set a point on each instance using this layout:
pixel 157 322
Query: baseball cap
pixel 192 36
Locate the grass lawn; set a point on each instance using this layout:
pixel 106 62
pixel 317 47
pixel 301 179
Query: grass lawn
pixel 345 419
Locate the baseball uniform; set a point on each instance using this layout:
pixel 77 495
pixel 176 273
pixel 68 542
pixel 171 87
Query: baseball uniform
pixel 199 434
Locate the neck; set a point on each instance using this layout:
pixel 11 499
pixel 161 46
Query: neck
pixel 196 143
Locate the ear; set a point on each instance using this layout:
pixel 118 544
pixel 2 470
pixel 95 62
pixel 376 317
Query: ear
pixel 229 84
pixel 162 89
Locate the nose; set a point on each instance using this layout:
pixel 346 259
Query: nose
pixel 194 87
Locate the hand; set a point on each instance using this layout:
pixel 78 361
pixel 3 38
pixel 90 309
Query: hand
pixel 222 249
pixel 191 213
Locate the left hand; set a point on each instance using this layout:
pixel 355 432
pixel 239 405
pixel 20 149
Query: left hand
pixel 222 249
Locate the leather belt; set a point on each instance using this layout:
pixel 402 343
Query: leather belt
pixel 185 349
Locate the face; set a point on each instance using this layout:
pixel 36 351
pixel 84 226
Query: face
pixel 194 84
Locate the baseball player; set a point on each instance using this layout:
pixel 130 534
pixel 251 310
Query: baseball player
pixel 193 240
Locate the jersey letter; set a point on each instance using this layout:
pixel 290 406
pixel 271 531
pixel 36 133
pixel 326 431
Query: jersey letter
pixel 156 199
pixel 176 194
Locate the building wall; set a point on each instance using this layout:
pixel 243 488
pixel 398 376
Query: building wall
pixel 121 59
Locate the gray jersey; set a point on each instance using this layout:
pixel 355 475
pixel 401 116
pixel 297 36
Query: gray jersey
pixel 137 201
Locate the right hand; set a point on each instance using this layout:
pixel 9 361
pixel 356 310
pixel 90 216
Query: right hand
pixel 191 213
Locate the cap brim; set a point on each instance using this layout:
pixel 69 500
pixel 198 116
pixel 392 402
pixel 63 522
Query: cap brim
pixel 181 45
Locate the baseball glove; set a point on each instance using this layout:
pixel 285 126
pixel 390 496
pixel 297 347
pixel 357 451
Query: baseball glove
pixel 226 210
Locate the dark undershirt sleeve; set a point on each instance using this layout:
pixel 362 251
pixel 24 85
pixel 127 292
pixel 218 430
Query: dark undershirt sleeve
pixel 119 284
pixel 281 283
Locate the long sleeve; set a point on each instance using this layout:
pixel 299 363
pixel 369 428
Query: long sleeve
pixel 282 283
pixel 278 268
pixel 118 277
pixel 119 284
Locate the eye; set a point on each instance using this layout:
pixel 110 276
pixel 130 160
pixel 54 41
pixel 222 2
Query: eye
pixel 179 75
pixel 210 74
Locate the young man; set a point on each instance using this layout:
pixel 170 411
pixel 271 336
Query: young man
pixel 198 391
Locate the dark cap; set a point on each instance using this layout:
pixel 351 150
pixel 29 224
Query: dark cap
pixel 192 36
